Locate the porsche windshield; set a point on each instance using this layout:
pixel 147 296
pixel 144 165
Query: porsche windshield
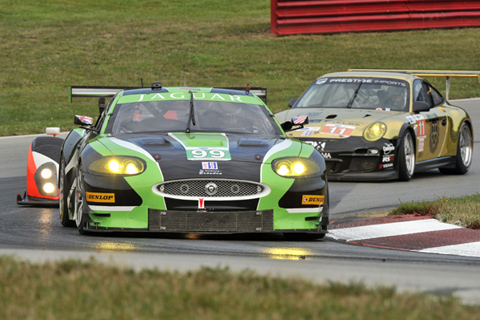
pixel 207 116
pixel 357 93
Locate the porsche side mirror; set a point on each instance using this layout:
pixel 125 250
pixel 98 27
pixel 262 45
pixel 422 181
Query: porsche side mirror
pixel 419 106
pixel 287 126
pixel 296 123
pixel 292 102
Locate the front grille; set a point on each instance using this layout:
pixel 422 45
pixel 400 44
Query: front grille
pixel 198 221
pixel 211 188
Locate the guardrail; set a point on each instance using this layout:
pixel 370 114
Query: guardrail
pixel 335 16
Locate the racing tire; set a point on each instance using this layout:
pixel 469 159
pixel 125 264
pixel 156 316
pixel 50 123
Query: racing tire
pixel 463 158
pixel 63 199
pixel 303 236
pixel 79 202
pixel 406 157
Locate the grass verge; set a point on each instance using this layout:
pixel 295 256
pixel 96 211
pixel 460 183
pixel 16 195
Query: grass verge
pixel 69 290
pixel 464 211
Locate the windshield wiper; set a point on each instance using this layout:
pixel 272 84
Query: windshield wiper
pixel 349 105
pixel 191 117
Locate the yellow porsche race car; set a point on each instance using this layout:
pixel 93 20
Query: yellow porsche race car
pixel 373 125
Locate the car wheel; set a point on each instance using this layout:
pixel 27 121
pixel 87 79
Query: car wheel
pixel 406 157
pixel 303 236
pixel 463 158
pixel 63 199
pixel 79 201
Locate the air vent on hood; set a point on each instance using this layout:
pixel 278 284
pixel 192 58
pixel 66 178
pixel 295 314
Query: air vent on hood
pixel 154 142
pixel 252 143
pixel 331 116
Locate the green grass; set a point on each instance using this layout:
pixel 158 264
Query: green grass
pixel 70 290
pixel 464 211
pixel 45 48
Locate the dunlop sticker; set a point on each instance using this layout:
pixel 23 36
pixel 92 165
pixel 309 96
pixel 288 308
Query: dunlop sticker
pixel 313 200
pixel 100 197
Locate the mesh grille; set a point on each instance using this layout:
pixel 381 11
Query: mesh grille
pixel 210 188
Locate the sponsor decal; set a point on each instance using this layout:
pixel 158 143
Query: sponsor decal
pixel 201 203
pixel 210 168
pixel 421 144
pixel 322 81
pixel 387 159
pixel 306 133
pixel 434 136
pixel 313 200
pixel 100 197
pixel 388 148
pixel 185 96
pixel 326 155
pixel 209 165
pixel 319 146
pixel 411 120
pixel 384 166
pixel 340 130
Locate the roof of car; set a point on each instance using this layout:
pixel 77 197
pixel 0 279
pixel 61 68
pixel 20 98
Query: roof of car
pixel 375 74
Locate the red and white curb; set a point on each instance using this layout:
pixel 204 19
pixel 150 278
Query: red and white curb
pixel 410 233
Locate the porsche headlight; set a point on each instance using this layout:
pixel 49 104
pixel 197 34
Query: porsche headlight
pixel 374 132
pixel 295 167
pixel 118 165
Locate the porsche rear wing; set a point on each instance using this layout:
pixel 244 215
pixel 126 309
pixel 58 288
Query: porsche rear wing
pixel 433 73
pixel 107 92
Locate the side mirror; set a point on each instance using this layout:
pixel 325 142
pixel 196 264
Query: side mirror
pixel 419 106
pixel 296 123
pixel 83 120
pixel 292 102
pixel 287 126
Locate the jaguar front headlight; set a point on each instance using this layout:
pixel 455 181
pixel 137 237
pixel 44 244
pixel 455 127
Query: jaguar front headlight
pixel 295 167
pixel 374 132
pixel 121 165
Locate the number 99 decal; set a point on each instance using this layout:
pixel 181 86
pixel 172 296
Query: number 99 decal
pixel 208 154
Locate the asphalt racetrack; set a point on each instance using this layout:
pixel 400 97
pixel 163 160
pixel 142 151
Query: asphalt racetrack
pixel 35 234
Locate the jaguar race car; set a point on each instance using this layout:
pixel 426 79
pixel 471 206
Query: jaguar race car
pixel 372 125
pixel 189 160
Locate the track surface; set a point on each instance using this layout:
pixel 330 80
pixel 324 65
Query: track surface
pixel 36 234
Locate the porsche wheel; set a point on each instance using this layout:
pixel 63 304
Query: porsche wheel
pixel 79 201
pixel 406 157
pixel 63 200
pixel 463 158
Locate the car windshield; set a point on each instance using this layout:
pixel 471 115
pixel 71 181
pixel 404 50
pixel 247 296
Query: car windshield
pixel 357 93
pixel 208 116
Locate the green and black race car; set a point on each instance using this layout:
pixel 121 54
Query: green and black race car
pixel 190 160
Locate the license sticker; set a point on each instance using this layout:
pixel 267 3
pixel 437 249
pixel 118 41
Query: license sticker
pixel 100 197
pixel 313 200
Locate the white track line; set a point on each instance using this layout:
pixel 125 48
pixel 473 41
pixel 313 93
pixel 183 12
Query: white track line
pixel 390 229
pixel 471 249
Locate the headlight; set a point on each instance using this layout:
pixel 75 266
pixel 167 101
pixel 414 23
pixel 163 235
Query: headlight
pixel 295 167
pixel 118 165
pixel 374 132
